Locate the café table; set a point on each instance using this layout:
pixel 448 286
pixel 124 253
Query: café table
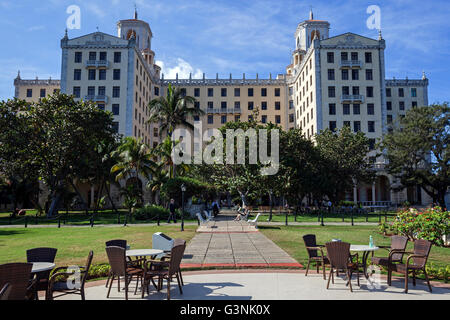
pixel 42 267
pixel 366 250
pixel 143 253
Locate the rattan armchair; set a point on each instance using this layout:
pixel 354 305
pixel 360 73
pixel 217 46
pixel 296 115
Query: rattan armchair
pixel 415 262
pixel 176 242
pixel 18 276
pixel 63 287
pixel 398 246
pixel 340 259
pixel 41 255
pixel 121 244
pixel 313 253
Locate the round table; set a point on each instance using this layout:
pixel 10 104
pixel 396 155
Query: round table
pixel 143 252
pixel 42 266
pixel 366 250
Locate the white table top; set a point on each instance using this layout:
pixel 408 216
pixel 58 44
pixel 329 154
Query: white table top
pixel 42 266
pixel 143 252
pixel 360 248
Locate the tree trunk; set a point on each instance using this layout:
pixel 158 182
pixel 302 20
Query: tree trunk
pixel 80 196
pixel 271 206
pixel 109 197
pixel 97 205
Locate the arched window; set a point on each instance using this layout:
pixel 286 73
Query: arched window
pixel 130 33
pixel 314 33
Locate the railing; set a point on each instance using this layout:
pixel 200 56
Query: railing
pixel 97 64
pixel 222 111
pixel 94 98
pixel 212 82
pixel 352 98
pixel 350 64
pixel 376 204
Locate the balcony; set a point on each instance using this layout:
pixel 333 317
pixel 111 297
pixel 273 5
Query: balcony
pixel 224 111
pixel 352 98
pixel 94 98
pixel 350 64
pixel 97 64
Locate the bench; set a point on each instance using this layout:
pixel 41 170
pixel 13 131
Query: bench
pixel 254 222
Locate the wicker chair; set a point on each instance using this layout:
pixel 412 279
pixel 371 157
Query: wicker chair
pixel 41 255
pixel 419 258
pixel 4 293
pixel 115 243
pixel 120 268
pixel 313 249
pixel 164 270
pixel 176 242
pixel 62 287
pixel 340 259
pixel 398 243
pixel 17 275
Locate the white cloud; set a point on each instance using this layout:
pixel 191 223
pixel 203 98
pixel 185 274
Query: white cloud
pixel 182 67
pixel 35 28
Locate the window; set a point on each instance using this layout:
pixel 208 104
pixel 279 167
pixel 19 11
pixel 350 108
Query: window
pixel 368 57
pixel 401 92
pixel 371 144
pixel 344 74
pixel 237 92
pixel 116 74
pixel 101 91
pixel 331 92
pixel 223 104
pixel 344 56
pixel 330 57
pixel 354 56
pixel 346 109
pixel 197 92
pixel 42 93
pixel 414 104
pixel 389 105
pixel 401 105
pixel 250 92
pixel 101 106
pixel 332 109
pixel 115 127
pixel 250 118
pixel 330 74
pixel 183 92
pixel 369 74
pixel 263 92
pixel 117 57
pixel 264 119
pixel 116 92
pixel 76 92
pixel 210 104
pixel 29 93
pixel 369 91
pixel 210 92
pixel 388 92
pixel 210 119
pixel 250 105
pixel 223 92
pixel 370 109
pixel 291 118
pixel 237 104
pixel 237 118
pixel 103 56
pixel 223 119
pixel 77 74
pixel 277 105
pixel 91 75
pixel 345 91
pixel 414 92
pixel 355 74
pixel 264 105
pixel 355 91
pixel 356 109
pixel 93 56
pixel 389 119
pixel 277 119
pixel 277 92
pixel 91 91
pixel 115 109
pixel 347 124
pixel 196 118
pixel 102 74
pixel 357 126
pixel 78 57
pixel 156 91
pixel 291 104
pixel 371 126
pixel 332 125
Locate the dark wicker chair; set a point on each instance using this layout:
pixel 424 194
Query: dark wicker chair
pixel 340 259
pixel 17 275
pixel 4 293
pixel 41 255
pixel 164 270
pixel 398 243
pixel 62 287
pixel 419 259
pixel 313 253
pixel 115 243
pixel 176 242
pixel 120 268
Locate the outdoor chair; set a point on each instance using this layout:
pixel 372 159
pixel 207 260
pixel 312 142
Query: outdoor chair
pixel 17 275
pixel 58 282
pixel 398 243
pixel 41 255
pixel 4 293
pixel 167 269
pixel 176 242
pixel 120 268
pixel 340 259
pixel 415 262
pixel 313 250
pixel 116 243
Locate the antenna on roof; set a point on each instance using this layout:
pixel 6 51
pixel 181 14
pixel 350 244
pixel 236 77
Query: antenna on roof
pixel 135 12
pixel 311 14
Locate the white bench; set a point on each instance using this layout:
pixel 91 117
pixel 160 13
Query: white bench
pixel 254 221
pixel 207 215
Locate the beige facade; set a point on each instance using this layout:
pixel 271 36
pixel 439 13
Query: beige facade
pixel 33 90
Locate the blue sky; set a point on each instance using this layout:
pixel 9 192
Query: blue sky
pixel 227 36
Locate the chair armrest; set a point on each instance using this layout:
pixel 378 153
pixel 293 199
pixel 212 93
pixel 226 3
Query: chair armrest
pixel 394 251
pixel 414 256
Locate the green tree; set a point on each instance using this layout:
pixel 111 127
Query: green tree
pixel 418 150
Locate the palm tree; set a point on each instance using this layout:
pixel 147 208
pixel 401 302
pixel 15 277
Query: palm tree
pixel 164 152
pixel 159 178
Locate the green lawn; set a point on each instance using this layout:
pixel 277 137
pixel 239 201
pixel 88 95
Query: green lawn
pixel 290 239
pixel 372 217
pixel 74 244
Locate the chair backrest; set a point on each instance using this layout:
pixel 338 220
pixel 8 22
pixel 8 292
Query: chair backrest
pixel 399 243
pixel 41 255
pixel 177 242
pixel 18 277
pixel 310 241
pixel 86 268
pixel 176 256
pixel 422 247
pixel 256 219
pixel 338 254
pixel 4 293
pixel 117 260
pixel 117 243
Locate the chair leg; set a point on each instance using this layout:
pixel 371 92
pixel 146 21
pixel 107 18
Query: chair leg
pixel 349 275
pixel 110 286
pixel 109 279
pixel 179 283
pixel 137 284
pixel 357 274
pixel 330 276
pixel 406 281
pixel 428 280
pixel 181 277
pixel 168 288
pixel 118 283
pixel 126 288
pixel 307 268
pixel 83 297
pixel 317 266
pixel 143 286
pixel 414 277
pixel 323 268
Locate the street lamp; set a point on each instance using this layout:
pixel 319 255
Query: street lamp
pixel 183 190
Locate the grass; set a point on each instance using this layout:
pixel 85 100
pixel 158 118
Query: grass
pixel 74 244
pixel 290 239
pixel 372 217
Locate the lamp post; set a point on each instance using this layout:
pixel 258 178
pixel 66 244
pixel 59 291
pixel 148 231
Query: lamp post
pixel 183 190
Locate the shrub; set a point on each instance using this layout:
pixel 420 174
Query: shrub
pixel 151 212
pixel 431 224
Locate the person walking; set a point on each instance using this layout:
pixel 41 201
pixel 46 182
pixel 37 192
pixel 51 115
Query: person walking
pixel 215 208
pixel 172 215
